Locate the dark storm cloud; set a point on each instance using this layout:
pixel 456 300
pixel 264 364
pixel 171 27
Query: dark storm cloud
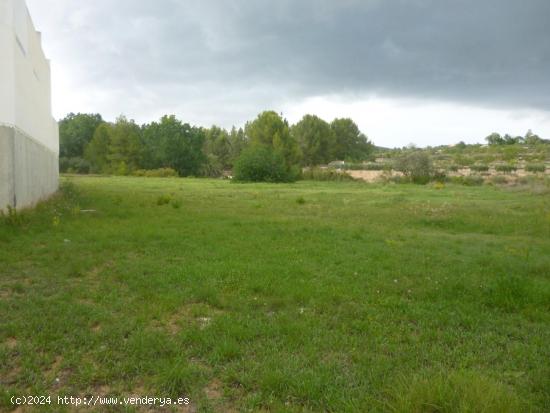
pixel 489 52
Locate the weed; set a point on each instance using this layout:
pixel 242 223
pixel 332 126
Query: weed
pixel 12 217
pixel 535 167
pixel 506 168
pixel 163 199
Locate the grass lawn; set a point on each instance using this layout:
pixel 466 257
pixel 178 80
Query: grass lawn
pixel 306 297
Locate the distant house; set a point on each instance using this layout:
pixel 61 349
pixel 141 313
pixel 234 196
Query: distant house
pixel 29 138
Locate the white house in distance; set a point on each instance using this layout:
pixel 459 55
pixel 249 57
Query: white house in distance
pixel 29 136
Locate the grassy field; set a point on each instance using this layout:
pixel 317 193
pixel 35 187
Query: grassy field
pixel 306 297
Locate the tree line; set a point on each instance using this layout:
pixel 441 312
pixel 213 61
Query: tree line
pixel 89 144
pixel 529 139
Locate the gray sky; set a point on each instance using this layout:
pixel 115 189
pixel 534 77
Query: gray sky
pixel 423 71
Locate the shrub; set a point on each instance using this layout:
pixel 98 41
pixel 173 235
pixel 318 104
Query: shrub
pixel 75 165
pixel 505 168
pixel 479 168
pixel 163 199
pixel 535 167
pixel 453 168
pixel 351 166
pixel 373 166
pixel 212 168
pixel 417 166
pixel 11 217
pixel 329 174
pixel 498 179
pixel 399 179
pixel 439 176
pixel 527 180
pixel 162 173
pixel 472 180
pixel 262 164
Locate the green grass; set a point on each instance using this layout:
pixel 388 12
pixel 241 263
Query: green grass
pixel 306 297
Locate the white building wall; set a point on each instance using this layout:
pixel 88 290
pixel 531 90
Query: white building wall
pixel 29 138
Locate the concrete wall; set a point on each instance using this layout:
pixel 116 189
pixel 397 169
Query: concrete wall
pixel 29 137
pixel 28 169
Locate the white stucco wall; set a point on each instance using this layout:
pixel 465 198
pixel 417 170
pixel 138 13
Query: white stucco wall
pixel 25 76
pixel 29 168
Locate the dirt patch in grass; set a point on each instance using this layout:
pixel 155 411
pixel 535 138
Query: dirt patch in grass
pixel 11 376
pixel 11 343
pixel 190 314
pixel 214 390
pixel 55 374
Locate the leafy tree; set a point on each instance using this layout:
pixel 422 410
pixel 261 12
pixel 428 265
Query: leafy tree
pixel 261 163
pixel 272 131
pixel 316 139
pixel 212 167
pixel 531 138
pixel 238 143
pixel 350 142
pixel 75 131
pixel 173 144
pixel 218 144
pixel 125 146
pixel 510 140
pixel 417 166
pixel 97 151
pixel 494 139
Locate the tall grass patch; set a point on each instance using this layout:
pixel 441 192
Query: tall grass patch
pixel 455 392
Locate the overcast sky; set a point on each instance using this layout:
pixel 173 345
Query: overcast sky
pixel 424 71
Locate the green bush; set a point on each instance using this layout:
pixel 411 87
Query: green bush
pixel 453 168
pixel 439 176
pixel 472 180
pixel 328 174
pixel 262 164
pixel 505 168
pixel 11 217
pixel 74 165
pixel 479 168
pixel 535 167
pixel 374 166
pixel 399 179
pixel 212 168
pixel 164 199
pixel 498 180
pixel 527 180
pixel 417 166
